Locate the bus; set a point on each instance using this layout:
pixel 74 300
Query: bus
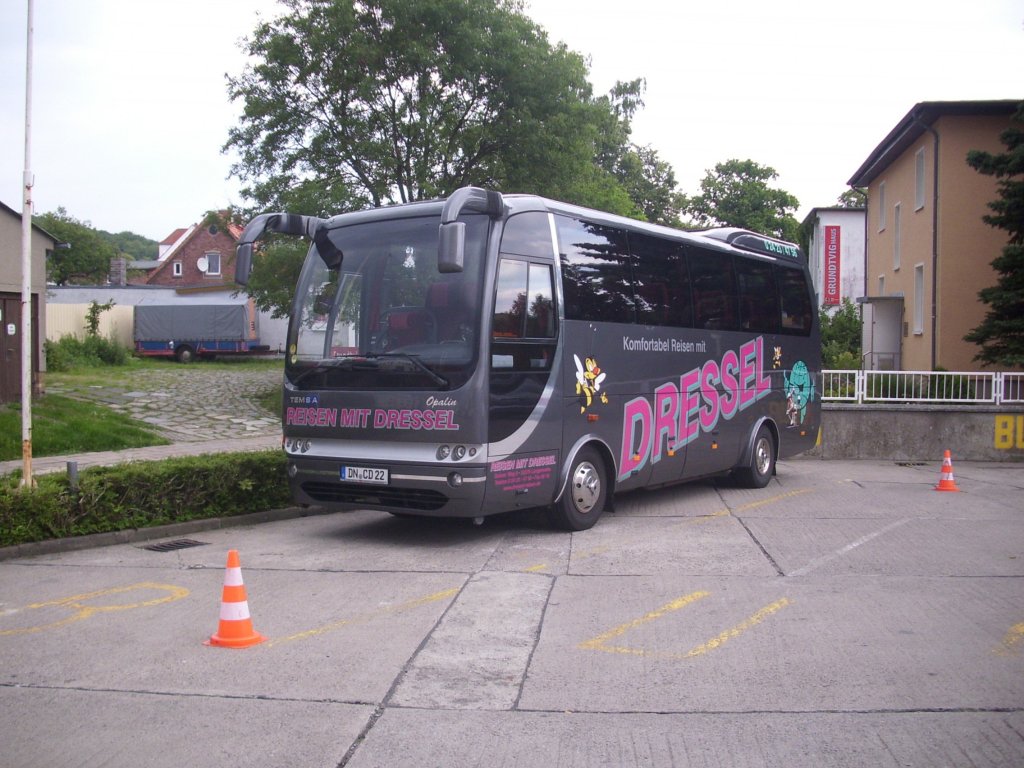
pixel 492 352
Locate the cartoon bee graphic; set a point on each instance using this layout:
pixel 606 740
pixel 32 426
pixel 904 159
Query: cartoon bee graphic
pixel 588 382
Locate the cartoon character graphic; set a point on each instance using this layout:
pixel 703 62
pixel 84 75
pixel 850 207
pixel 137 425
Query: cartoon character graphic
pixel 799 388
pixel 588 382
pixel 776 357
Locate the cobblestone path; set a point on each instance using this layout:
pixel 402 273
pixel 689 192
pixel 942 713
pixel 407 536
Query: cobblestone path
pixel 191 403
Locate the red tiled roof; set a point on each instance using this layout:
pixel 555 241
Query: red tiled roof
pixel 172 238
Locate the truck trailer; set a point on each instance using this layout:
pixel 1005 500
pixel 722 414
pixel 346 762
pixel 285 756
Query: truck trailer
pixel 185 331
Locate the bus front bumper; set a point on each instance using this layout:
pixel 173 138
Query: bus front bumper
pixel 411 489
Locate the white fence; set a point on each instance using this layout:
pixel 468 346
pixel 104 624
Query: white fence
pixel 994 388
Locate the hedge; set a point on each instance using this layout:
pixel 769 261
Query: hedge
pixel 142 494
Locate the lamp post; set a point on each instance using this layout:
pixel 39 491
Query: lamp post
pixel 26 273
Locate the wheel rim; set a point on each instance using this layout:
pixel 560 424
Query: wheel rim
pixel 586 487
pixel 763 456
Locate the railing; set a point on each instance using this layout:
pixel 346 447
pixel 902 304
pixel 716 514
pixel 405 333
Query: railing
pixel 961 388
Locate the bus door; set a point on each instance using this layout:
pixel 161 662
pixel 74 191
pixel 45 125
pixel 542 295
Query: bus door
pixel 524 411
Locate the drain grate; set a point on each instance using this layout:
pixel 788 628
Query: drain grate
pixel 910 463
pixel 170 546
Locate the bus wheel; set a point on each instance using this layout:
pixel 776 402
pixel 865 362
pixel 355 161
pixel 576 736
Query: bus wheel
pixel 185 354
pixel 583 501
pixel 762 461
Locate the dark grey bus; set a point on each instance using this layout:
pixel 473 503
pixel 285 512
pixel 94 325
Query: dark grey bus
pixel 494 352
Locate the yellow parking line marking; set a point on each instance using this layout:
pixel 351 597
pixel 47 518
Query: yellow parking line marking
pixel 86 611
pixel 739 629
pixel 366 617
pixel 598 643
pixel 536 568
pixel 1012 641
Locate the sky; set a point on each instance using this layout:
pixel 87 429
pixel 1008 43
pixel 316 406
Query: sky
pixel 130 109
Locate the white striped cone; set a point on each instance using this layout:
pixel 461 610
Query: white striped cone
pixel 235 629
pixel 946 481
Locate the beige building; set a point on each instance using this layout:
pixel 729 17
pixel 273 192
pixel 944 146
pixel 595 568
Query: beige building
pixel 928 250
pixel 11 332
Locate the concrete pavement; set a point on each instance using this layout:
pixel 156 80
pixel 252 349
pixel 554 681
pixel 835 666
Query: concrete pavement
pixel 847 615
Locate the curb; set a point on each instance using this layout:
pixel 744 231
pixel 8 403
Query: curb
pixel 134 535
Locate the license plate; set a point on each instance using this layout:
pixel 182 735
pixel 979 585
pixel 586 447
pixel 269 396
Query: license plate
pixel 364 475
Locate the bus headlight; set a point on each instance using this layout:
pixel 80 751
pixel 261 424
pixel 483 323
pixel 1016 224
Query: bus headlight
pixel 459 452
pixel 454 479
pixel 443 452
pixel 292 470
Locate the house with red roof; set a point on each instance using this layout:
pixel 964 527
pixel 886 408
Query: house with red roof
pixel 198 257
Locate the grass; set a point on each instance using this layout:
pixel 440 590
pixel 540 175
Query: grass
pixel 62 424
pixel 65 425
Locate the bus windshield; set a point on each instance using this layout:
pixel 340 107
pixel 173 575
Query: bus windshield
pixel 375 312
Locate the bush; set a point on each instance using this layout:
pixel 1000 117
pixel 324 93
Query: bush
pixel 71 352
pixel 142 494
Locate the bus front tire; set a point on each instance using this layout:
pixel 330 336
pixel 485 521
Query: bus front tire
pixel 584 498
pixel 762 461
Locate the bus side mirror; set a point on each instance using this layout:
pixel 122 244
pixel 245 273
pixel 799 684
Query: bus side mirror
pixel 243 263
pixel 451 248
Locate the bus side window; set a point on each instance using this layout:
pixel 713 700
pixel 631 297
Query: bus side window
pixel 714 290
pixel 528 234
pixel 661 281
pixel 759 301
pixel 510 299
pixel 596 279
pixel 523 327
pixel 795 301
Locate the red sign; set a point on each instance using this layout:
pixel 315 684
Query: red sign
pixel 831 282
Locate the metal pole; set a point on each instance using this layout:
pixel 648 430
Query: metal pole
pixel 26 273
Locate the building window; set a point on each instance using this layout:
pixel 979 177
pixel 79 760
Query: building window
pixel 896 211
pixel 881 206
pixel 177 269
pixel 919 299
pixel 881 285
pixel 212 262
pixel 919 180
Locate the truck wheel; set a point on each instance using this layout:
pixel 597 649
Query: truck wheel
pixel 584 498
pixel 762 461
pixel 185 354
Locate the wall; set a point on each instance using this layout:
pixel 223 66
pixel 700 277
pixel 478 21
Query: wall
pixel 851 256
pixel 922 432
pixel 70 319
pixel 967 245
pixel 273 332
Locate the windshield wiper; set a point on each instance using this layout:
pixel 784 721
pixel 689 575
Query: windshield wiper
pixel 436 378
pixel 370 362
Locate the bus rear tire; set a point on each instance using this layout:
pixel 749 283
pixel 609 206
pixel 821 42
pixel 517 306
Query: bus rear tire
pixel 185 354
pixel 762 461
pixel 584 498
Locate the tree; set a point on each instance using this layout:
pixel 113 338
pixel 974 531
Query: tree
pixel 854 197
pixel 390 101
pixel 86 260
pixel 841 336
pixel 1001 334
pixel 132 245
pixel 737 194
pixel 351 105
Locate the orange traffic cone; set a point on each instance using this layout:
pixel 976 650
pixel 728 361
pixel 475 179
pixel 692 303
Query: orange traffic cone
pixel 235 628
pixel 946 482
